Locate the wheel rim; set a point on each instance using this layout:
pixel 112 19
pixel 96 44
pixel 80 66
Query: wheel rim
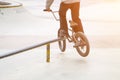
pixel 62 43
pixel 83 48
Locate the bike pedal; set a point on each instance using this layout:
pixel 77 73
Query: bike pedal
pixel 81 44
pixel 69 39
pixel 76 45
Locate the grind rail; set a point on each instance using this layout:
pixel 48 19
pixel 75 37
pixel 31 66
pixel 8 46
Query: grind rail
pixel 47 43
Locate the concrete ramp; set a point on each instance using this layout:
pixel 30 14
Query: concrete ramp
pixel 16 20
pixel 9 4
pixel 10 9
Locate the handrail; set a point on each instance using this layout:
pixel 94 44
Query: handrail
pixel 32 47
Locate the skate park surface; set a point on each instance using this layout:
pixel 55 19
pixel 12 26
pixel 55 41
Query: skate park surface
pixel 28 25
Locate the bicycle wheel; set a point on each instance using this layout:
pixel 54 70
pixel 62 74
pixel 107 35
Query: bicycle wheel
pixel 61 43
pixel 84 47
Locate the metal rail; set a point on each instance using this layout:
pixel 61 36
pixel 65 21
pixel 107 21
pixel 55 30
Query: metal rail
pixel 47 43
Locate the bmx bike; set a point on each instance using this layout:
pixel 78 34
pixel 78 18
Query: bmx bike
pixel 81 43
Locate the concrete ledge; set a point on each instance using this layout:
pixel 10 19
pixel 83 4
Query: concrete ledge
pixel 7 4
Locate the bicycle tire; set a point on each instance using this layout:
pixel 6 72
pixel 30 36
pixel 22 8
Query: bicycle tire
pixel 83 50
pixel 61 43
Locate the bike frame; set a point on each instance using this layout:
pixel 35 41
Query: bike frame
pixel 53 13
pixel 57 19
pixel 80 41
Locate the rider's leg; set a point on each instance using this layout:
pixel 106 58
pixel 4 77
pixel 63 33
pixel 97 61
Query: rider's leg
pixel 62 14
pixel 75 17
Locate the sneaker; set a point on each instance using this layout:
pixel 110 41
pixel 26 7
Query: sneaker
pixel 48 10
pixel 62 33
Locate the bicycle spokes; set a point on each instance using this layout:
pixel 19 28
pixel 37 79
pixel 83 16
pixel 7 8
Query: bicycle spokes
pixel 81 44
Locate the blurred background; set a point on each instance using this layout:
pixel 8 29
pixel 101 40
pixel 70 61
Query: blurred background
pixel 27 25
